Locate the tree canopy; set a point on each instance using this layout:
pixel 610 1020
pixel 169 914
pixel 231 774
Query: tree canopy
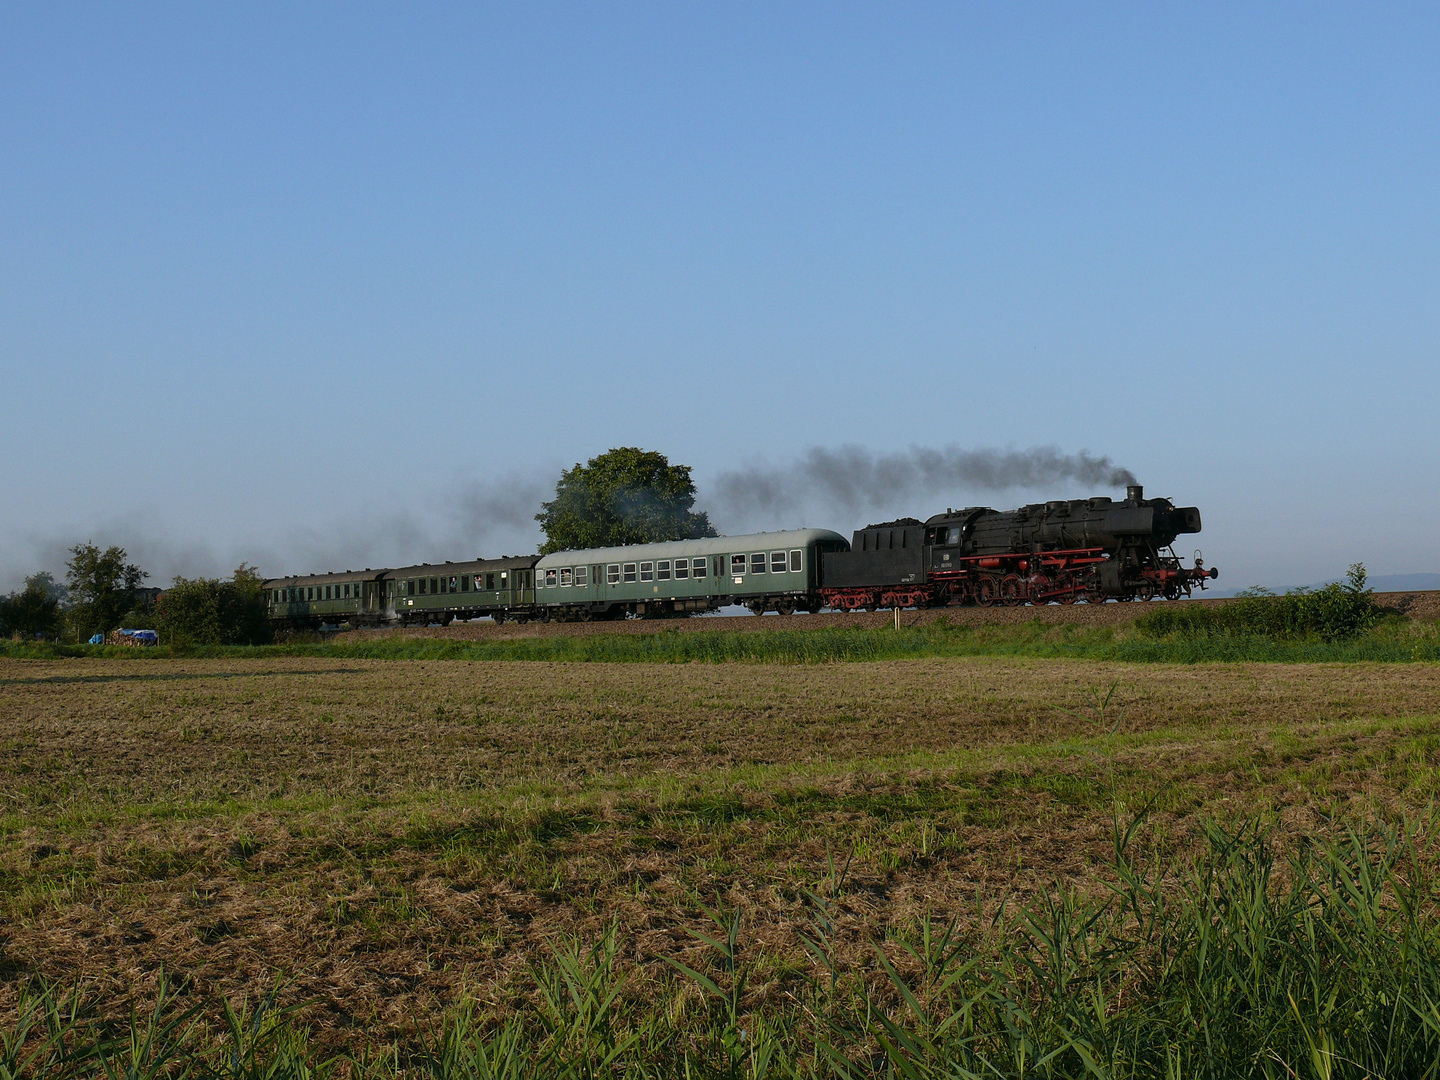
pixel 102 585
pixel 33 610
pixel 623 496
pixel 206 611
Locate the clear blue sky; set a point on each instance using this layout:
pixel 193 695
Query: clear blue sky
pixel 325 286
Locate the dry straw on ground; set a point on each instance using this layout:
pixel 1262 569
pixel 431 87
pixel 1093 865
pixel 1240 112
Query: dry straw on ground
pixel 384 837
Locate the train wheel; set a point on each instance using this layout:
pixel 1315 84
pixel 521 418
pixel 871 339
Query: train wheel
pixel 584 614
pixel 1146 591
pixel 987 592
pixel 786 606
pixel 1067 598
pixel 757 607
pixel 499 618
pixel 1012 593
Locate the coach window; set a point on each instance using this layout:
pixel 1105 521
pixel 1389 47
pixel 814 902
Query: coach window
pixel 629 572
pixel 582 576
pixel 567 576
pixel 757 562
pixel 647 571
pixel 423 586
pixel 612 573
pixel 464 582
pixel 797 561
pixel 662 570
pixel 777 562
pixel 737 564
pixel 434 587
pixel 453 582
pixel 547 579
pixel 699 568
pixel 682 569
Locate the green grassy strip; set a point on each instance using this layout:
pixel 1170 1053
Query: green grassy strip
pixel 1392 642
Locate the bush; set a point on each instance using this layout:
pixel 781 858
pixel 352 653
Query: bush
pixel 207 611
pixel 1339 611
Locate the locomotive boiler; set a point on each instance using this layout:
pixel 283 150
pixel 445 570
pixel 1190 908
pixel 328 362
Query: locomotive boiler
pixel 1062 551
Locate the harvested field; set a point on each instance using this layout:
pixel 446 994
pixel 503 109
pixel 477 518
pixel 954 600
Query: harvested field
pixel 383 837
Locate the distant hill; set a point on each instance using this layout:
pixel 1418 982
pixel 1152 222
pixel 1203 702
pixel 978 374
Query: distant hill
pixel 1378 582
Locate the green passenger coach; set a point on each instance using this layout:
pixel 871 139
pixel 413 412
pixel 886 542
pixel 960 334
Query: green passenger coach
pixel 444 592
pixel 774 571
pixel 315 600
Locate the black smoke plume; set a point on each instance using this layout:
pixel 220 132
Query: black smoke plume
pixel 853 479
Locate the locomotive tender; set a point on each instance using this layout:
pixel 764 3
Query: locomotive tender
pixel 1067 550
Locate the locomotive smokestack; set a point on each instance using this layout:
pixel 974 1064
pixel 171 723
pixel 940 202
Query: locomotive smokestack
pixel 1135 493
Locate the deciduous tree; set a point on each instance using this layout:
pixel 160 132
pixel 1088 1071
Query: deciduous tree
pixel 102 586
pixel 623 496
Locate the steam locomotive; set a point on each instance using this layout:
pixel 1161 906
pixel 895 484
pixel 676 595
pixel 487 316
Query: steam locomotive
pixel 1062 551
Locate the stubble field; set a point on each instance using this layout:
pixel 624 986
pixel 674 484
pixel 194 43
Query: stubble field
pixel 382 839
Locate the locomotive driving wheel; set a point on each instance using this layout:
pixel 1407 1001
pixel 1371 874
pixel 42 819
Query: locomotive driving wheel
pixel 1012 591
pixel 1145 591
pixel 987 592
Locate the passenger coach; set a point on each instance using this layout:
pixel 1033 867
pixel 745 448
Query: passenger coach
pixel 310 601
pixel 444 592
pixel 776 571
